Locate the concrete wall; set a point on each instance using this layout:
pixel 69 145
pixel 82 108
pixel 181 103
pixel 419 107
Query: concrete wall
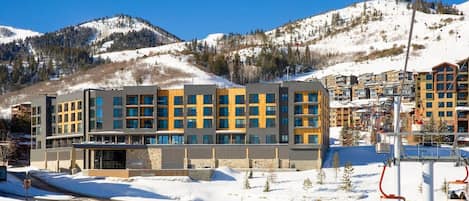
pixel 143 158
pixel 58 160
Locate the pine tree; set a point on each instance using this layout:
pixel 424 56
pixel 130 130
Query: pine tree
pixel 347 177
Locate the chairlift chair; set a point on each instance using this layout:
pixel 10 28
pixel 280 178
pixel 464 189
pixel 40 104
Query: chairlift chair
pixel 383 147
pixel 458 183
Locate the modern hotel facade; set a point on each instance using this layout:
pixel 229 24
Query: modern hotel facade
pixel 271 125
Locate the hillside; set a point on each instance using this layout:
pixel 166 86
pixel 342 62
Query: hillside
pixel 10 34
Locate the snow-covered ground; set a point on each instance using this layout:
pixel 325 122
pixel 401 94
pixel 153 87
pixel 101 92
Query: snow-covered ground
pixel 15 186
pixel 10 34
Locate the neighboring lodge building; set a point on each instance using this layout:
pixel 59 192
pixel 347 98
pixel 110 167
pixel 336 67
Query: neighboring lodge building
pixel 144 127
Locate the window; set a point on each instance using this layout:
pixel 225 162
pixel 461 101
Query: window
pixel 191 123
pixel 429 105
pixel 440 86
pixel 298 109
pixel 313 139
pixel 178 123
pixel 283 138
pixel 178 100
pixel 147 123
pixel 177 139
pixel 191 99
pixel 208 99
pixel 79 116
pixel 239 111
pixel 284 97
pixel 92 104
pixel 239 99
pixel 92 115
pixel 441 104
pixel 163 139
pixel 449 87
pixel 59 108
pixel 207 139
pixel 150 140
pixel 192 139
pixel 449 77
pixel 284 108
pixel 270 139
pixel 270 98
pixel 449 95
pixel 298 139
pixel 449 113
pixel 207 111
pixel 191 111
pixel 178 112
pixel 428 86
pixel 147 112
pixel 313 97
pixel 312 109
pixel 429 95
pixel 162 112
pixel 117 124
pixel 298 97
pixel 207 123
pixel 298 122
pixel 162 124
pixel 439 77
pixel 132 112
pixel 313 122
pixel 147 100
pixel 449 104
pixel 270 122
pixel 441 114
pixel 254 110
pixel 223 123
pixel 117 113
pixel 254 123
pixel 79 105
pixel 66 106
pixel 117 101
pixel 285 121
pixel 132 123
pixel 240 123
pixel 253 98
pixel 254 139
pixel 131 100
pixel 270 110
pixel 238 139
pixel 223 139
pixel 223 99
pixel 223 112
pixel 428 114
pixel 441 95
pixel 162 100
pixel 429 77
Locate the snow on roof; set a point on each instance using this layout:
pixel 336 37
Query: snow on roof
pixel 460 108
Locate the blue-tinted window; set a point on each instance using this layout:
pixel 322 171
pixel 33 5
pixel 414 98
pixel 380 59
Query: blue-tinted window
pixel 429 77
pixel 253 110
pixel 178 123
pixel 429 95
pixel 240 123
pixel 270 110
pixel 117 124
pixel 449 104
pixel 238 139
pixel 132 100
pixel 428 114
pixel 441 114
pixel 254 123
pixel 223 99
pixel 449 86
pixel 313 122
pixel 132 112
pixel 449 95
pixel 313 139
pixel 191 123
pixel 285 121
pixel 163 124
pixel 162 112
pixel 270 98
pixel 284 108
pixel 239 111
pixel 178 112
pixel 270 122
pixel 177 139
pixel 313 109
pixel 223 111
pixel 99 101
pixel 150 140
pixel 191 111
pixel 239 99
pixel 92 104
pixel 192 139
pixel 147 123
pixel 223 139
pixel 208 99
pixel 298 122
pixel 254 139
pixel 253 98
pixel 162 100
pixel 117 112
pixel 208 123
pixel 147 112
pixel 223 123
pixel 117 100
pixel 207 111
pixel 298 139
pixel 207 139
pixel 449 113
pixel 132 123
pixel 178 100
pixel 429 86
pixel 441 95
pixel 285 97
pixel 191 99
pixel 440 86
pixel 313 97
pixel 270 139
pixel 429 105
pixel 163 139
pixel 441 104
pixel 449 77
pixel 298 97
pixel 439 77
pixel 148 100
pixel 298 109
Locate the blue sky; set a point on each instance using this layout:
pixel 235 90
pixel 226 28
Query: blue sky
pixel 187 19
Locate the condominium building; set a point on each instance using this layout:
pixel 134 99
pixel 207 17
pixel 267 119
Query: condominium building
pixel 271 125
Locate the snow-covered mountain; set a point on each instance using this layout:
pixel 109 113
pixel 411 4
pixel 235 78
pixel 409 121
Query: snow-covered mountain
pixel 10 34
